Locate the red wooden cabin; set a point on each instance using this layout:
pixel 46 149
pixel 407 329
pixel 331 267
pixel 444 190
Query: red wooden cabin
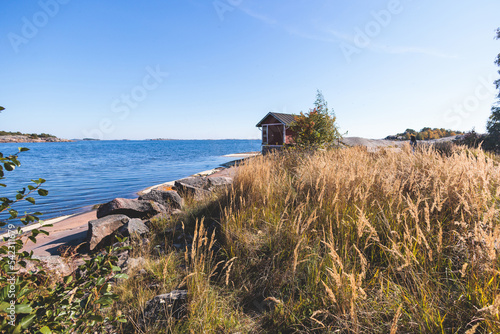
pixel 276 130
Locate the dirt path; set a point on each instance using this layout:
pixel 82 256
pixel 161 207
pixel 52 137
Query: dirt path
pixel 68 232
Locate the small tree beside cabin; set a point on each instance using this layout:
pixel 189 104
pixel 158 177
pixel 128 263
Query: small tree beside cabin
pixel 317 128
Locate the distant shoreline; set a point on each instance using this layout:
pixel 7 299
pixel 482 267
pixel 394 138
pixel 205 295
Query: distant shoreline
pixel 26 139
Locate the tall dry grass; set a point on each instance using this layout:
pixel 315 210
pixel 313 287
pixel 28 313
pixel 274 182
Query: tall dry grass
pixel 349 241
pixel 340 241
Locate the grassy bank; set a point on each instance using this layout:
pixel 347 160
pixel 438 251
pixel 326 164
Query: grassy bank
pixel 343 241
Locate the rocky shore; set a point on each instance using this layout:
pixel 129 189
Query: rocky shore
pixel 26 139
pixel 89 233
pixel 92 231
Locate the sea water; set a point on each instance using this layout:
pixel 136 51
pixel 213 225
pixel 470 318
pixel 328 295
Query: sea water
pixel 84 173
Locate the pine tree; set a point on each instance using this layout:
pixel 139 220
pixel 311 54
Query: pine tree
pixel 493 125
pixel 316 128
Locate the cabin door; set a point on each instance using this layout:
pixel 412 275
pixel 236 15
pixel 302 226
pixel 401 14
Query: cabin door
pixel 264 134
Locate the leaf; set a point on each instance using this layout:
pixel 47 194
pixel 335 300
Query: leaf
pixel 8 166
pixel 3 306
pixel 45 330
pixel 23 309
pixel 23 149
pixel 97 318
pixel 105 301
pixel 24 292
pixel 116 268
pixel 13 213
pixel 124 276
pixel 43 192
pixel 28 320
pixel 17 329
pixel 30 199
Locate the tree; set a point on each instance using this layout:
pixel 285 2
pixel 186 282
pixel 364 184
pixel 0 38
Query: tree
pixel 316 128
pixel 493 125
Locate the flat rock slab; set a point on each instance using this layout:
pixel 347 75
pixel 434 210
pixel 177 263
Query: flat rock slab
pixel 193 186
pixel 170 199
pixel 194 181
pixel 131 208
pixel 54 264
pixel 102 230
pixel 216 182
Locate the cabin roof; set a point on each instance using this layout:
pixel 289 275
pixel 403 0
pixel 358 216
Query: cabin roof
pixel 286 119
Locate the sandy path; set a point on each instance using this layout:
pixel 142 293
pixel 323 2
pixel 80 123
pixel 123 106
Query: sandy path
pixel 68 232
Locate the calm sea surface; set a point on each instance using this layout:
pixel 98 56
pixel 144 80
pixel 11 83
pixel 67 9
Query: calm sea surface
pixel 81 174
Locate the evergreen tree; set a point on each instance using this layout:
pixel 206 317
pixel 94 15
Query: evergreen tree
pixel 316 128
pixel 493 125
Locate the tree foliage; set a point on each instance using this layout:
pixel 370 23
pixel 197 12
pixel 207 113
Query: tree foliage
pixel 29 135
pixel 316 128
pixel 425 134
pixel 493 125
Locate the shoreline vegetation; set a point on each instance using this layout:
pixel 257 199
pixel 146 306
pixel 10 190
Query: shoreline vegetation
pixel 343 240
pixel 346 241
pixel 425 134
pixel 353 240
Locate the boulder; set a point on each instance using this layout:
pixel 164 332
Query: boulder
pixel 51 263
pixel 171 304
pixel 219 182
pixel 168 198
pixel 132 208
pixel 133 228
pixel 102 230
pixel 193 186
pixel 194 181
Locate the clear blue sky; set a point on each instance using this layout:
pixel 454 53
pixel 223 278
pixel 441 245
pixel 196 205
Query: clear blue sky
pixel 212 69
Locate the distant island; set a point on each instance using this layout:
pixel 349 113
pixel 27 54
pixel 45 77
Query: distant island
pixel 425 134
pixel 161 139
pixel 18 137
